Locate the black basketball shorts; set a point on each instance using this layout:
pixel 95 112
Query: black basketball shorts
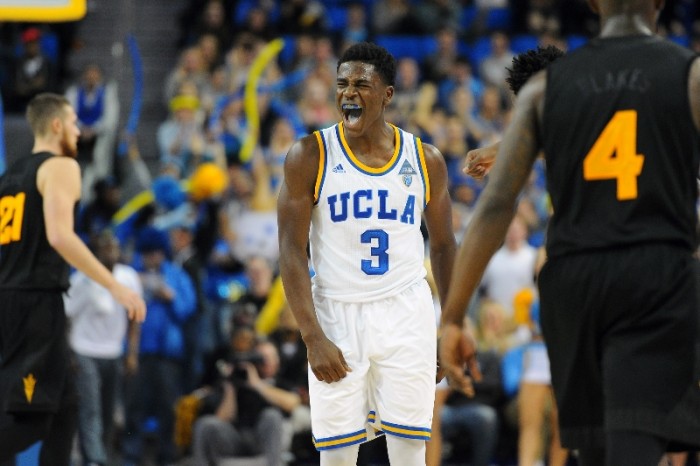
pixel 621 328
pixel 33 350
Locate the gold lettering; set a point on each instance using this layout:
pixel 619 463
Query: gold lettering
pixel 11 217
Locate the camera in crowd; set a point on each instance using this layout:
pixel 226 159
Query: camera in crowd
pixel 235 370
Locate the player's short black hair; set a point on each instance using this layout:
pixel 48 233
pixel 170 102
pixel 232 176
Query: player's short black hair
pixel 375 55
pixel 528 63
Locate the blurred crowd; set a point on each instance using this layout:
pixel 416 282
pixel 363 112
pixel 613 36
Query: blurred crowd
pixel 218 369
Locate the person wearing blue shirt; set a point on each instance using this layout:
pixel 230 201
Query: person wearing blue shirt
pixel 171 301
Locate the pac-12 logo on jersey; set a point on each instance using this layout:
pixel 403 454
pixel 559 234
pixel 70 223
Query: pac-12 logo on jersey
pixel 407 173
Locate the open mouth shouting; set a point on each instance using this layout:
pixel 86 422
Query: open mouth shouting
pixel 351 114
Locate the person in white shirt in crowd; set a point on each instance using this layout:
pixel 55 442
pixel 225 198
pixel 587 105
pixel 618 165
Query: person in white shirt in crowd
pixel 98 329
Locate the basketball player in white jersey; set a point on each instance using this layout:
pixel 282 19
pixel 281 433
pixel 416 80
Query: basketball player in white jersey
pixel 356 192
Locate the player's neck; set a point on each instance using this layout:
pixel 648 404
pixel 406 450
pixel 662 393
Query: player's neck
pixel 46 145
pixel 625 25
pixel 379 137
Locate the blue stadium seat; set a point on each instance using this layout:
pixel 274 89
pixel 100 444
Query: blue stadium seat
pixel 498 18
pixel 49 45
pixel 466 20
pixel 417 47
pixel 242 10
pixel 681 40
pixel 480 49
pixel 337 16
pixel 574 41
pixel 523 43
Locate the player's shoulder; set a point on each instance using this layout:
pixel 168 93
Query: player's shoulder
pixel 59 164
pixel 305 148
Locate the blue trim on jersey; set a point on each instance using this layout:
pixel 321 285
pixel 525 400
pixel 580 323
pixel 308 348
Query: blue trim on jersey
pixel 349 159
pixel 325 166
pixel 422 174
pixel 398 430
pixel 371 417
pixel 329 443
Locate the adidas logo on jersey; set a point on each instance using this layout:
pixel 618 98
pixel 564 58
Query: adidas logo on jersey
pixel 338 168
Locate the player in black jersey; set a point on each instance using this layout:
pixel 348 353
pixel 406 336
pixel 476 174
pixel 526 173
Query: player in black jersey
pixel 618 123
pixel 38 198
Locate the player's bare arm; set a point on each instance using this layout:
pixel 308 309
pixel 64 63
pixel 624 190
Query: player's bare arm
pixel 443 246
pixel 493 214
pixel 58 181
pixel 294 208
pixel 438 219
pixel 694 92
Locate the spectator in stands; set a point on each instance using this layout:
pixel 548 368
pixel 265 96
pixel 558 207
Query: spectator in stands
pixel 96 216
pixel 477 417
pixel 292 350
pixel 255 226
pixel 243 413
pixel 534 206
pixel 512 268
pixel 325 60
pixel 406 92
pixel 490 118
pixel 216 20
pixel 282 137
pixel 356 30
pixel 536 404
pixel 460 76
pixel 190 67
pixel 302 16
pixel 453 149
pixel 543 17
pixel 33 71
pixel 186 255
pixel 434 15
pixel 171 301
pixel 495 326
pixel 181 140
pixel 259 24
pixel 97 337
pixel 239 59
pixel 97 105
pixel 438 65
pixel 392 17
pixel 211 52
pixel 493 68
pixel 260 274
pixel 315 106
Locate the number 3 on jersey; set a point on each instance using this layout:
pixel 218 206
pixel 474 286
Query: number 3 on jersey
pixel 378 251
pixel 11 215
pixel 614 155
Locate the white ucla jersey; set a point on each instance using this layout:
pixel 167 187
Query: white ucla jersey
pixel 366 242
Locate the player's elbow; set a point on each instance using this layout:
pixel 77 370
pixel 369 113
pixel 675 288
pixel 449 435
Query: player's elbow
pixel 57 238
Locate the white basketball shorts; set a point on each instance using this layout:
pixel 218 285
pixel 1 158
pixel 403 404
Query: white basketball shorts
pixel 391 346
